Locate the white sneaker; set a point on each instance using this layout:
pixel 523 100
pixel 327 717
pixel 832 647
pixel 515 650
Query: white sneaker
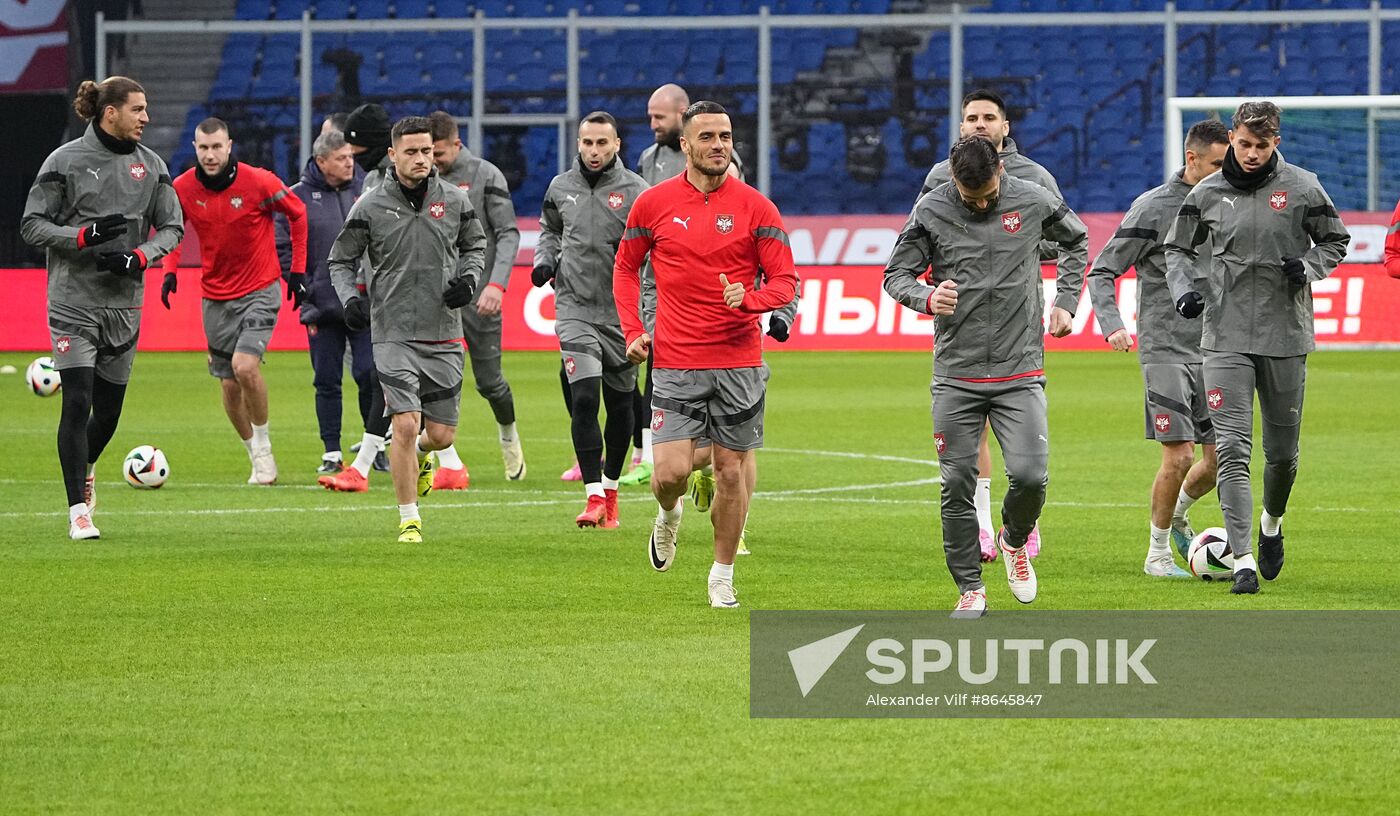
pixel 723 596
pixel 90 495
pixel 661 550
pixel 971 604
pixel 514 459
pixel 1163 566
pixel 81 529
pixel 1020 575
pixel 1181 534
pixel 264 468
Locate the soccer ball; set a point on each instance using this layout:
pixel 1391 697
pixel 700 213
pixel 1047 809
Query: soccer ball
pixel 145 468
pixel 43 377
pixel 1209 555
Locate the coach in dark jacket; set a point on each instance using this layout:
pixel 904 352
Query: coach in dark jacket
pixel 329 185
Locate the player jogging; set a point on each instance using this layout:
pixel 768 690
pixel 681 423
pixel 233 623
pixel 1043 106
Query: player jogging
pixel 1392 245
pixel 1169 348
pixel 709 236
pixel 1272 230
pixel 581 223
pixel 981 233
pixel 426 252
pixel 92 207
pixel 232 205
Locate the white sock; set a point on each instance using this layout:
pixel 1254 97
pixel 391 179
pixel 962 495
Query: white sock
pixel 507 432
pixel 448 458
pixel 370 446
pixel 722 572
pixel 982 499
pixel 79 509
pixel 672 515
pixel 408 512
pixel 609 484
pixel 1160 543
pixel 646 445
pixel 418 449
pixel 261 441
pixel 248 445
pixel 1245 562
pixel 92 468
pixel 594 489
pixel 1183 504
pixel 1268 525
pixel 331 456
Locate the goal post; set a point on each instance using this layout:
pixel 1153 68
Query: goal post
pixel 1341 125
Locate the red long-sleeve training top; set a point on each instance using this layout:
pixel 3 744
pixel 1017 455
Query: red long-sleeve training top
pixel 237 243
pixel 693 238
pixel 1392 245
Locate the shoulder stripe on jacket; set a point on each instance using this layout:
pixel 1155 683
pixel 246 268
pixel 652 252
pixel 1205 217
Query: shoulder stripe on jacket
pixel 775 233
pixel 51 177
pixel 496 191
pixel 1136 232
pixel 636 232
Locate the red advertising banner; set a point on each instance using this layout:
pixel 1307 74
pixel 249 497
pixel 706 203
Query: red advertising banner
pixel 33 46
pixel 843 307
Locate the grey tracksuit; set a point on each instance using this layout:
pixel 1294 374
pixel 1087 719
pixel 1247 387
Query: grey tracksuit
pixel 82 181
pixel 1017 166
pixel 580 227
pixel 486 187
pixel 1258 326
pixel 413 255
pixel 989 353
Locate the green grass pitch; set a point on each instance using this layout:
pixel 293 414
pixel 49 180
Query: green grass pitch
pixel 234 649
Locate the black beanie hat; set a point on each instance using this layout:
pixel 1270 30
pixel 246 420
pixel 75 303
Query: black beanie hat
pixel 367 126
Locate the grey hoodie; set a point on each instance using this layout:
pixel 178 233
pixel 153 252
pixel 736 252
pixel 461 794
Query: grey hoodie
pixel 486 187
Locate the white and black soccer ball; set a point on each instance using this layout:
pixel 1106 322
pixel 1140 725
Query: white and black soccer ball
pixel 145 468
pixel 1209 557
pixel 43 378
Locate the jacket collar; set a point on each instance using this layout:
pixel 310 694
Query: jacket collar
pixel 106 142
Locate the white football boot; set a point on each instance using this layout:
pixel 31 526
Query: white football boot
pixel 971 604
pixel 1020 575
pixel 264 468
pixel 722 595
pixel 661 549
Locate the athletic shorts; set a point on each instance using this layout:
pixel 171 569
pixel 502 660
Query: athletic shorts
pixel 424 377
pixel 594 350
pixel 1175 403
pixel 724 405
pixel 242 325
pixel 95 337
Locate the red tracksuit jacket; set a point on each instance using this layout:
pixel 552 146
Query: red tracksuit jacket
pixel 237 244
pixel 693 238
pixel 1392 245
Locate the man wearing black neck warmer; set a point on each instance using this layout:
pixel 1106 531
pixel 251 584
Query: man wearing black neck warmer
pixel 367 132
pixel 92 209
pixel 1273 231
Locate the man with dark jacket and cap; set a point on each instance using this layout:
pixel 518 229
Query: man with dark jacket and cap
pixel 329 185
pixel 367 132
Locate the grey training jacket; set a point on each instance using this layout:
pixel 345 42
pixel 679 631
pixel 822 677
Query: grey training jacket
pixel 580 227
pixel 1163 335
pixel 997 329
pixel 1253 308
pixel 486 187
pixel 82 181
pixel 413 256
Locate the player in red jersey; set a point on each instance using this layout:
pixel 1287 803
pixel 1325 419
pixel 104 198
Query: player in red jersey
pixel 231 205
pixel 709 236
pixel 1392 245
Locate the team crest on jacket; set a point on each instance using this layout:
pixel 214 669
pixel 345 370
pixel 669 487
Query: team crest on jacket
pixel 939 443
pixel 437 209
pixel 63 344
pixel 570 366
pixel 1011 222
pixel 1215 398
pixel 658 418
pixel 138 171
pixel 724 223
pixel 466 185
pixel 1162 422
pixel 1278 199
pixel 236 202
pixel 616 200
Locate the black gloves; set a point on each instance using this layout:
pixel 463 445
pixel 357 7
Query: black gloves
pixel 102 230
pixel 357 314
pixel 129 264
pixel 778 329
pixel 541 275
pixel 459 292
pixel 1295 271
pixel 167 288
pixel 296 289
pixel 1190 305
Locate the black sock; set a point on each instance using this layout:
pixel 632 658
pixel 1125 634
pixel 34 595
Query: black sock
pixel 617 432
pixel 640 416
pixel 377 423
pixel 564 386
pixel 73 431
pixel 588 438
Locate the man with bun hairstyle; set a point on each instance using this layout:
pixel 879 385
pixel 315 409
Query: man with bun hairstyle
pixel 92 209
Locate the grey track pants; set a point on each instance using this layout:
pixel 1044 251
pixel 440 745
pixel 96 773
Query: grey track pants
pixel 1016 409
pixel 1232 379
